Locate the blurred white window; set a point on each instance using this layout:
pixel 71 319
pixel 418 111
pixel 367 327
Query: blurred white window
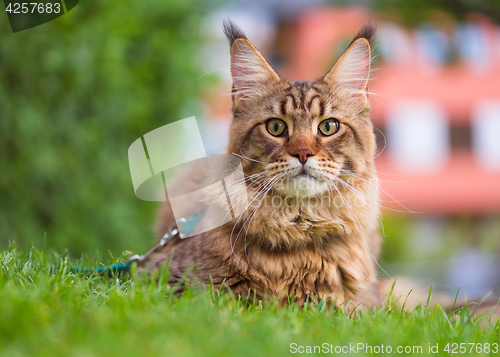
pixel 417 135
pixel 486 134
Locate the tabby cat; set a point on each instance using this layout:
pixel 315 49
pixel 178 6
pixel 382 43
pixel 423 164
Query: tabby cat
pixel 308 146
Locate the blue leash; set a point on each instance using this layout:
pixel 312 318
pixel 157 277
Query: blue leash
pixel 110 270
pixel 124 268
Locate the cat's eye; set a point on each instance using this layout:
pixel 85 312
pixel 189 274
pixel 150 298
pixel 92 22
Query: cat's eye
pixel 276 127
pixel 329 126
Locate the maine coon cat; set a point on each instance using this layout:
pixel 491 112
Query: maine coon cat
pixel 307 149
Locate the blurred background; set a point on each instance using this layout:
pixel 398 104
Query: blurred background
pixel 77 91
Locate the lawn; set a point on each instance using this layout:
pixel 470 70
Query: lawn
pixel 56 312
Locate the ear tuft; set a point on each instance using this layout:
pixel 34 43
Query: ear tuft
pixel 232 32
pixel 367 32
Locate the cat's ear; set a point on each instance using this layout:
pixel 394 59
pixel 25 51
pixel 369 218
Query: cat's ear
pixel 249 69
pixel 352 70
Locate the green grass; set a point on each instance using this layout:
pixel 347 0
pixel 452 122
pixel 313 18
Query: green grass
pixel 59 313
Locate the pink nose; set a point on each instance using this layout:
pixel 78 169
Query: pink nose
pixel 302 155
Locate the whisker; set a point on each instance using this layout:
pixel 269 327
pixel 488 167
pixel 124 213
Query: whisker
pixel 248 158
pixel 259 188
pixel 212 71
pixel 407 210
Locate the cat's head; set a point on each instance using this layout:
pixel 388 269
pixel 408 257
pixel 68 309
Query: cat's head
pixel 301 136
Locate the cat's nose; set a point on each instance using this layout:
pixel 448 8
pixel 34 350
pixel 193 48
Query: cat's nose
pixel 302 155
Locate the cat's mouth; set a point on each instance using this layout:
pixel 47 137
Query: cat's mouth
pixel 304 183
pixel 304 174
pixel 307 173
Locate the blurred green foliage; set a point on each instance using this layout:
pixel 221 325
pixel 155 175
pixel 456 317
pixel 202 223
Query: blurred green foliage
pixel 395 230
pixel 74 94
pixel 412 13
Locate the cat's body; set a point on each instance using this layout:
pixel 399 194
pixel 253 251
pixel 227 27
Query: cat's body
pixel 339 267
pixel 307 149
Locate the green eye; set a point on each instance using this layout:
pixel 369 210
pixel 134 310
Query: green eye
pixel 276 127
pixel 329 126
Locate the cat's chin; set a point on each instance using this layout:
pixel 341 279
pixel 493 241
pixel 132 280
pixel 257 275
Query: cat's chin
pixel 301 186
